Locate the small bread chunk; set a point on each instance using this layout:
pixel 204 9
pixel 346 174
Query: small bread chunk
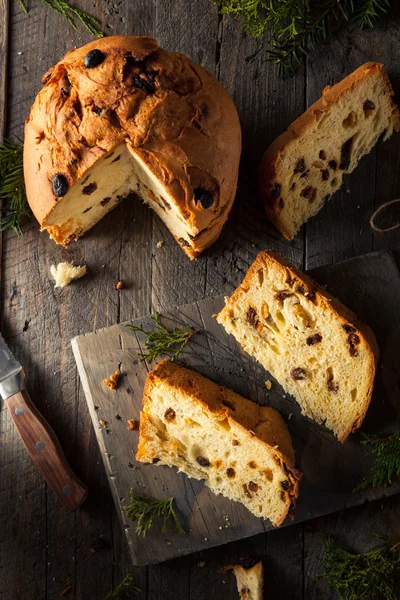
pixel 311 343
pixel 304 166
pixel 241 449
pixel 64 273
pixel 249 579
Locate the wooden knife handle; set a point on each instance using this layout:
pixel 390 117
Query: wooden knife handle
pixel 45 450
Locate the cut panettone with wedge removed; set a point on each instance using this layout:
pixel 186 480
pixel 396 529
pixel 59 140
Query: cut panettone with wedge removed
pixel 122 115
pixel 315 347
pixel 242 450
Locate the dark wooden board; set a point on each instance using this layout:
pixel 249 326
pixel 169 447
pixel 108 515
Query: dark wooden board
pixel 331 470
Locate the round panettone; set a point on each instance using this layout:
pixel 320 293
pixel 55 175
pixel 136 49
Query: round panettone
pixel 122 115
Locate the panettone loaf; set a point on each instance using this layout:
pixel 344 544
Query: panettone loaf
pixel 305 165
pixel 241 449
pixel 313 345
pixel 122 115
pixel 249 579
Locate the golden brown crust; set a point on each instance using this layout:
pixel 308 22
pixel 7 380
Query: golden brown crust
pixel 328 304
pixel 330 95
pixel 266 423
pixel 187 132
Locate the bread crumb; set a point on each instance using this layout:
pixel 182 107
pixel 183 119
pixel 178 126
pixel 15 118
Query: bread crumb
pixel 119 284
pixel 160 244
pixel 103 423
pixel 268 384
pixel 113 380
pixel 132 424
pixel 64 273
pixel 201 563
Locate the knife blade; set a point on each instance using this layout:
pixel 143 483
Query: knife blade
pixel 36 434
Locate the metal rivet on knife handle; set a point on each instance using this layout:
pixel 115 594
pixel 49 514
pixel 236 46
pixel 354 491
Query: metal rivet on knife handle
pixel 19 411
pixel 67 489
pixel 40 445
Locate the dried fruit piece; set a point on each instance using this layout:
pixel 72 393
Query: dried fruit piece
pixel 322 154
pixel 169 414
pixel 314 339
pixel 332 164
pixel 235 443
pixel 309 192
pixel 246 491
pixel 113 380
pixel 90 188
pixel 203 462
pixel 300 166
pixel 325 175
pixel 285 484
pixel 332 385
pixel 251 317
pixel 349 328
pixel 298 374
pixel 230 472
pixel 94 58
pixel 368 105
pixel 105 201
pixel 60 185
pixel 253 487
pixel 282 294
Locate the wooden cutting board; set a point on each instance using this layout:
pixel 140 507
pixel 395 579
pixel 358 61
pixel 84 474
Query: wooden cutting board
pixel 370 285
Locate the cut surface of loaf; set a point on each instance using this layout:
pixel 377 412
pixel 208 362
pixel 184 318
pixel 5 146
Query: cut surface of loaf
pixel 122 115
pixel 311 343
pixel 304 166
pixel 249 580
pixel 242 450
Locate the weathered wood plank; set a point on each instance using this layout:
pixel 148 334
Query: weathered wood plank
pixel 331 470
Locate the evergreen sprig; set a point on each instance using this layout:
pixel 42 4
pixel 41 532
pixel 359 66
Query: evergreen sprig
pixel 64 8
pixel 160 340
pixel 360 576
pixel 125 590
pixel 292 28
pixel 144 509
pixel 14 204
pixel 386 449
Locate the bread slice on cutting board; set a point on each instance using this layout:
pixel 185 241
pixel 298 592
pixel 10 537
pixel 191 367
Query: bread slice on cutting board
pixel 311 343
pixel 249 578
pixel 122 115
pixel 305 165
pixel 242 450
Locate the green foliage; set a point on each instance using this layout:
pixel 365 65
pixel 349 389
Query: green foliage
pixel 292 28
pixel 360 576
pixel 63 8
pixel 386 450
pixel 144 509
pixel 125 590
pixel 160 340
pixel 12 187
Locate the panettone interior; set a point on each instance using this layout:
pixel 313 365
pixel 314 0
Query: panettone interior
pixel 111 178
pixel 318 357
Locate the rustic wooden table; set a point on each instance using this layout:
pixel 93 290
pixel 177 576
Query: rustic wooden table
pixel 43 548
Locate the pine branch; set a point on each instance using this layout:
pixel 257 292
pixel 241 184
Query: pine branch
pixel 64 8
pixel 292 29
pixel 360 576
pixel 386 450
pixel 144 509
pixel 125 589
pixel 160 340
pixel 12 187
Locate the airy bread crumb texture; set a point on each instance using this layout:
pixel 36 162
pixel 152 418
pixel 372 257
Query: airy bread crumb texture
pixel 64 273
pixel 242 450
pixel 311 343
pixel 249 580
pixel 304 166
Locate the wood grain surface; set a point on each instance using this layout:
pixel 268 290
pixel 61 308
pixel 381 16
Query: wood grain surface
pixel 330 470
pixel 43 548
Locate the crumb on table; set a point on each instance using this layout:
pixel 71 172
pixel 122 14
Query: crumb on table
pixel 132 424
pixel 113 380
pixel 119 284
pixel 268 384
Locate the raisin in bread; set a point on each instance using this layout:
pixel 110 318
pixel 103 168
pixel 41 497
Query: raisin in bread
pixel 313 345
pixel 242 450
pixel 122 115
pixel 249 578
pixel 304 166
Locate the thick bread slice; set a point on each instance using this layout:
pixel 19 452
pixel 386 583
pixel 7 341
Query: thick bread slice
pixel 249 579
pixel 241 449
pixel 305 165
pixel 311 343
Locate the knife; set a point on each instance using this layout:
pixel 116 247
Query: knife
pixel 38 437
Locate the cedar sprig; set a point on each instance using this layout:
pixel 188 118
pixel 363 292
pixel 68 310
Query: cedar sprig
pixel 64 8
pixel 160 340
pixel 292 29
pixel 144 509
pixel 360 576
pixel 386 449
pixel 125 589
pixel 14 204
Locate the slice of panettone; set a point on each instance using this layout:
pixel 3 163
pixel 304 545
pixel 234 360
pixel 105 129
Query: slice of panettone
pixel 122 115
pixel 241 449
